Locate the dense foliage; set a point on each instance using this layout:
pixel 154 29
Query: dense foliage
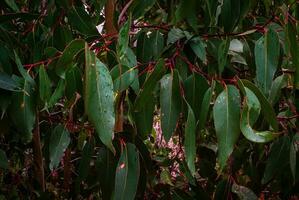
pixel 149 99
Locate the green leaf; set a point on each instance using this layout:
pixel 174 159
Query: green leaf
pixel 58 93
pixel 199 48
pixel 84 165
pixel 20 16
pixel 278 158
pixel 170 101
pixel 190 140
pixel 123 77
pixel 59 141
pixel 249 115
pixel 187 9
pixel 230 13
pixel 12 4
pixel 23 72
pixel 73 82
pixel 3 160
pixel 127 173
pixel 44 84
pixel 267 51
pixel 195 87
pixel 144 103
pixel 68 55
pixel 222 55
pixel 226 113
pixel 99 98
pixel 174 35
pixel 150 45
pixel 81 21
pixel 7 83
pixel 267 109
pixel 139 8
pixel 106 167
pixel 205 106
pixel 243 192
pixel 291 41
pixel 277 85
pixel 22 110
pixel 293 155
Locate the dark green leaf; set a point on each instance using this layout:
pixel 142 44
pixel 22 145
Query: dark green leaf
pixel 73 82
pixel 199 48
pixel 250 114
pixel 267 50
pixel 205 106
pixel 23 72
pixel 7 83
pixel 144 103
pixel 174 35
pixel 123 77
pixel 99 98
pixel 195 87
pixel 68 56
pixel 170 101
pixel 127 173
pixel 139 8
pixel 81 20
pixel 22 110
pixel 59 141
pixel 84 164
pixel 243 192
pixel 277 85
pixel 226 113
pixel 3 160
pixel 190 140
pixel 222 55
pixel 294 148
pixel 58 93
pixel 267 109
pixel 44 84
pixel 278 158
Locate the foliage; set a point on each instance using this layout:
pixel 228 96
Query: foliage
pixel 192 99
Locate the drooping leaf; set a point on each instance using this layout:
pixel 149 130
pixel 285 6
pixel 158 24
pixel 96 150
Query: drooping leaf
pixel 195 87
pixel 144 103
pixel 230 12
pixel 226 112
pixel 44 84
pixel 69 53
pixel 243 192
pixel 99 98
pixel 22 109
pixel 73 82
pixel 277 85
pixel 81 20
pixel 267 109
pixel 174 35
pixel 205 106
pixel 7 83
pixel 249 115
pixel 57 94
pixel 23 72
pixel 139 8
pixel 267 50
pixel 190 140
pixel 278 158
pixel 294 149
pixel 149 46
pixel 187 9
pixel 170 101
pixel 222 55
pixel 123 77
pixel 127 173
pixel 84 164
pixel 12 4
pixel 106 164
pixel 199 48
pixel 291 40
pixel 59 141
pixel 3 160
